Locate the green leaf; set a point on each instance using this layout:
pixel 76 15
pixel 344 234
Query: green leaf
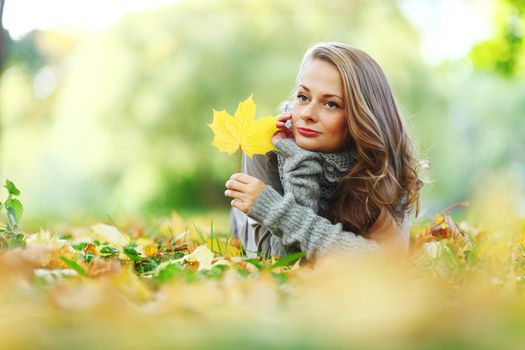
pixel 150 264
pixel 131 252
pixel 243 272
pixel 16 207
pixel 11 188
pixel 280 278
pixel 16 240
pixel 178 255
pixel 169 272
pixel 288 259
pixel 12 219
pixel 74 265
pixel 215 272
pixel 107 249
pixel 255 263
pixel 88 257
pixel 80 246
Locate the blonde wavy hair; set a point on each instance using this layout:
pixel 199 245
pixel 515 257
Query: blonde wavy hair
pixel 383 184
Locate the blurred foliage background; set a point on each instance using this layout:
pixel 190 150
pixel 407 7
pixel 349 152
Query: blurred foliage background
pixel 113 122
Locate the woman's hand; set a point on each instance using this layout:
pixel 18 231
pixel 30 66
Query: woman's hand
pixel 283 132
pixel 244 189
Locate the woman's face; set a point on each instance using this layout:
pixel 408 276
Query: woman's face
pixel 318 112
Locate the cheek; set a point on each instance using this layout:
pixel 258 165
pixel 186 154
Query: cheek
pixel 295 118
pixel 338 126
pixel 295 112
pixel 339 130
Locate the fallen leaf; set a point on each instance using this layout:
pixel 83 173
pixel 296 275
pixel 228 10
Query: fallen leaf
pixel 110 234
pixel 203 256
pixel 147 246
pixel 98 267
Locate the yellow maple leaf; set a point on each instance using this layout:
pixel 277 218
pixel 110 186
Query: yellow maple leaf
pixel 242 130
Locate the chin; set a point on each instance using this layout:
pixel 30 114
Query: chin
pixel 306 143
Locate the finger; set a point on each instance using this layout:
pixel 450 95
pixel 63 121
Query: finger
pixel 243 178
pixel 239 205
pixel 234 194
pixel 281 123
pixel 282 134
pixel 236 185
pixel 284 117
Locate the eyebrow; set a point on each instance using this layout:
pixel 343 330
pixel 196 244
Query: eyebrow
pixel 325 95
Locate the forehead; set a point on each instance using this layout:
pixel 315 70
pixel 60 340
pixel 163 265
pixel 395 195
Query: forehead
pixel 321 77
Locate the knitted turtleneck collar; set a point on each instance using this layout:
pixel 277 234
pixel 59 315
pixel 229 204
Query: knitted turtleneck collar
pixel 340 160
pixel 336 165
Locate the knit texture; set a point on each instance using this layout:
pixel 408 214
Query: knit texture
pixel 312 177
pixel 300 227
pixel 290 216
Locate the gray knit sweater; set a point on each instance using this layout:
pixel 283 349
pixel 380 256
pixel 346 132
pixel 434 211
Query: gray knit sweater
pixel 290 209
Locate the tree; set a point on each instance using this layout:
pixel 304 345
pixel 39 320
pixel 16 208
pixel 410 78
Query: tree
pixel 504 53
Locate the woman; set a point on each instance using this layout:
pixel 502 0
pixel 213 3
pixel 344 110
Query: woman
pixel 343 109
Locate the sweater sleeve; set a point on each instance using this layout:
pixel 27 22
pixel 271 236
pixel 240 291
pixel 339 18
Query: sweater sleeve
pixel 301 171
pixel 300 226
pixel 272 172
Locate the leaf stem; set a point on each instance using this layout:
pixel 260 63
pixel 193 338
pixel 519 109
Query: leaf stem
pixel 239 158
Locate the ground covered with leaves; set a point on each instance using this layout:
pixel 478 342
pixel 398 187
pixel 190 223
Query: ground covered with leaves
pixel 187 284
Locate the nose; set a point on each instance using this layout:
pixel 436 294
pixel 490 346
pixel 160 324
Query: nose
pixel 309 113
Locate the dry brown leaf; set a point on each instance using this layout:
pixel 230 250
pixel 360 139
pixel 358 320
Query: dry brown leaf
pixel 99 267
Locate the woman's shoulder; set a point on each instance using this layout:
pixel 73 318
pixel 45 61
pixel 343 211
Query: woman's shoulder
pixel 390 232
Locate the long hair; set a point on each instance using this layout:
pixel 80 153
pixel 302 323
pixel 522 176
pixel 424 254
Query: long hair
pixel 384 179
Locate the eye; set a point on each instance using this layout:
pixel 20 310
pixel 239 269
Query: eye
pixel 302 98
pixel 332 105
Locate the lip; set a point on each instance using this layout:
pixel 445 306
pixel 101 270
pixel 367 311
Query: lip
pixel 308 132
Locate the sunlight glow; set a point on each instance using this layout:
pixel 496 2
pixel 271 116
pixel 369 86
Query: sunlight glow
pixel 449 28
pixel 22 16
